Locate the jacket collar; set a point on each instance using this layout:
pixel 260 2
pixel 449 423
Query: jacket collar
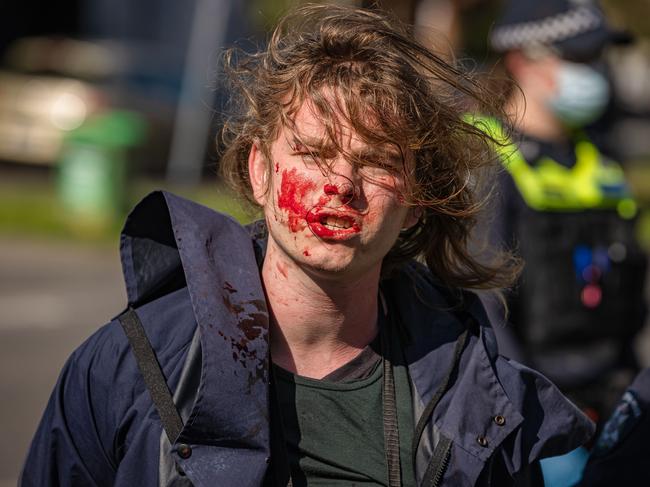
pixel 169 242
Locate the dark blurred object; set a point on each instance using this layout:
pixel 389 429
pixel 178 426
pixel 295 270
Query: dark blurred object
pixel 29 18
pixel 620 454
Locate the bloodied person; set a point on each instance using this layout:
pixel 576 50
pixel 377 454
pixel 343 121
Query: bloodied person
pixel 338 341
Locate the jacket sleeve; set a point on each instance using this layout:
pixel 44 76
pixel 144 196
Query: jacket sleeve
pixel 73 441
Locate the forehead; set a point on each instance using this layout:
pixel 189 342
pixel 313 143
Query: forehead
pixel 309 125
pixel 329 122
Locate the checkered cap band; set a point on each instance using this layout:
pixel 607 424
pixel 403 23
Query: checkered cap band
pixel 565 25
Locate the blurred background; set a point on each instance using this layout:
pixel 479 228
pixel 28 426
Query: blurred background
pixel 102 101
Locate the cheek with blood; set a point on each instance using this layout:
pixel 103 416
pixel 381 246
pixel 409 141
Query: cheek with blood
pixel 293 189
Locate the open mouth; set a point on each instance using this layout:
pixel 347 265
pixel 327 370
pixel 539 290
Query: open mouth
pixel 332 225
pixel 335 222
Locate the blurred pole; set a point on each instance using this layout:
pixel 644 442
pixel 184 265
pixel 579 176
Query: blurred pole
pixel 194 114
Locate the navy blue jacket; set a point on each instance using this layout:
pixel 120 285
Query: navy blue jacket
pixel 192 276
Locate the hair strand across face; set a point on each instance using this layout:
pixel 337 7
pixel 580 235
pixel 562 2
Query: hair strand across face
pixel 362 71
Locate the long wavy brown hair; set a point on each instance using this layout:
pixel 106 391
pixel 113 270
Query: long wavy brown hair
pixel 393 92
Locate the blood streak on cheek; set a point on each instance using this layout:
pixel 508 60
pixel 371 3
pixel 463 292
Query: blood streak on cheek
pixel 293 189
pixel 277 167
pixel 306 253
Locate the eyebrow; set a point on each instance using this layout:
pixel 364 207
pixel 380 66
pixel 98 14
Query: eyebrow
pixel 369 152
pixel 310 143
pixel 374 153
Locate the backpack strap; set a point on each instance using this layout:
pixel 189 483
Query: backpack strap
pixel 152 374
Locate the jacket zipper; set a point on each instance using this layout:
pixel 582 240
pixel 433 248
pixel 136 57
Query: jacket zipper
pixel 440 457
pixel 442 467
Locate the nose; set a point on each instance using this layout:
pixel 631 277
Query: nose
pixel 342 183
pixel 344 190
pixel 340 188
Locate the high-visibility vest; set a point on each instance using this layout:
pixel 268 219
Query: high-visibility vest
pixel 584 272
pixel 594 182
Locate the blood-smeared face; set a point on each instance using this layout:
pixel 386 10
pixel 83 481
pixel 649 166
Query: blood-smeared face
pixel 332 217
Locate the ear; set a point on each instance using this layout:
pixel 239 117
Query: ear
pixel 412 217
pixel 258 173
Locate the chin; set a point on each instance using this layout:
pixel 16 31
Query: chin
pixel 326 260
pixel 325 263
pixel 335 268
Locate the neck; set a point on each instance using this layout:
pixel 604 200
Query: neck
pixel 533 117
pixel 317 324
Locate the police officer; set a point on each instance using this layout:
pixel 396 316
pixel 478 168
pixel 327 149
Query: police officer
pixel 564 205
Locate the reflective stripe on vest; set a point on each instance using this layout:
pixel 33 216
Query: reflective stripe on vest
pixel 590 184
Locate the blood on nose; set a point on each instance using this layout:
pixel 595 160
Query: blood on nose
pixel 344 191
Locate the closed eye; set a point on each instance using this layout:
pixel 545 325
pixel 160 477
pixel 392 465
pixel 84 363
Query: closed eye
pixel 310 154
pixel 308 157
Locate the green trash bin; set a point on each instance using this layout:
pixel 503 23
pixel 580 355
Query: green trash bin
pixel 93 170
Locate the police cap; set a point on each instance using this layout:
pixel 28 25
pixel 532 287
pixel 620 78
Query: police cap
pixel 575 29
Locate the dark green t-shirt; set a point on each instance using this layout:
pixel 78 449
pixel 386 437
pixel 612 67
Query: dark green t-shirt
pixel 333 428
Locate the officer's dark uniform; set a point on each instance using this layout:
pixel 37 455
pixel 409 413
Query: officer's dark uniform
pixel 567 210
pixel 619 456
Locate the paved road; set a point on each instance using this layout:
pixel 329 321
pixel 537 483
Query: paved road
pixel 52 296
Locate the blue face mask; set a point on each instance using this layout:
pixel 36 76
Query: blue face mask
pixel 582 94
